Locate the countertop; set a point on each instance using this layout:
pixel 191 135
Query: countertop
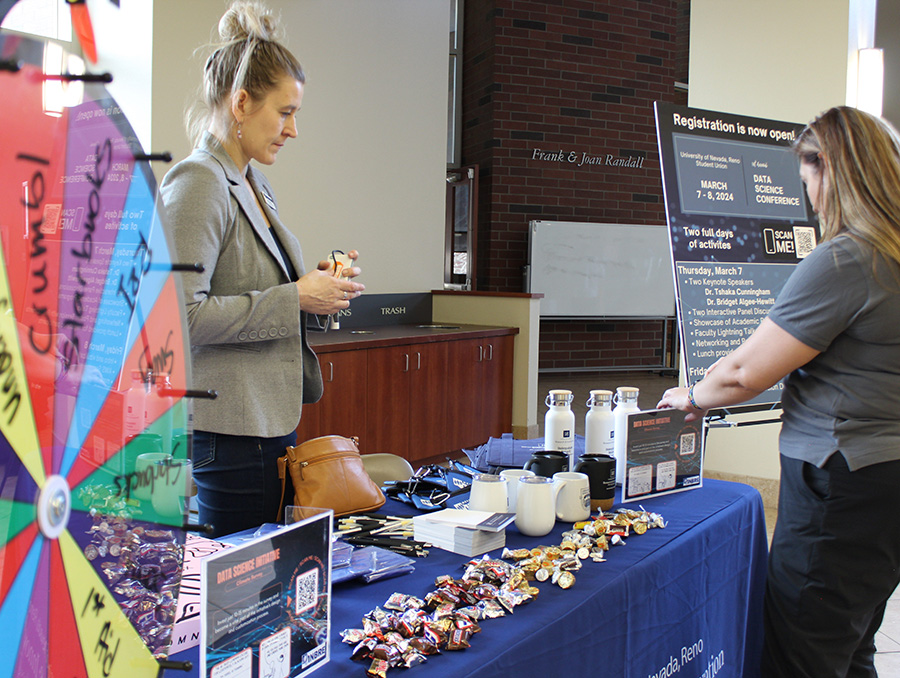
pixel 397 335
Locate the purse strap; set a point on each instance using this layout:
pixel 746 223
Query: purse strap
pixel 282 463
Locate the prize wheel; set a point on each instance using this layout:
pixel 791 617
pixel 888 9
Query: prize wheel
pixel 94 425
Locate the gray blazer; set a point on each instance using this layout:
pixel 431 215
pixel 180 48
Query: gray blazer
pixel 247 333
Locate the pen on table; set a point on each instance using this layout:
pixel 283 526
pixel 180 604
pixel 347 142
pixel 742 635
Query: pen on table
pixel 393 525
pixel 399 545
pixel 367 522
pixel 394 528
pixel 375 516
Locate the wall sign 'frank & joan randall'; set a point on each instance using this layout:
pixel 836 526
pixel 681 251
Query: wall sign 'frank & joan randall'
pixel 580 158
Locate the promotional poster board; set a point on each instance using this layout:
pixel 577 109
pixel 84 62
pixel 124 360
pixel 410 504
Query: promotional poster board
pixel 186 633
pixel 664 454
pixel 738 221
pixel 266 604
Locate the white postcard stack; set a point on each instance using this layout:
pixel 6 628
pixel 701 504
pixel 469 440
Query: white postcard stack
pixel 469 533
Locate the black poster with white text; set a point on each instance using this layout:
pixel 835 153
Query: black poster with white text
pixel 738 221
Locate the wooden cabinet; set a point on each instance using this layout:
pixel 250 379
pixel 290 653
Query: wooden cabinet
pixel 480 377
pixel 342 408
pixel 421 396
pixel 497 388
pixel 407 400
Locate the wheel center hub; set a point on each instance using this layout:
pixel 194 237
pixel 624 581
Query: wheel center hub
pixel 54 507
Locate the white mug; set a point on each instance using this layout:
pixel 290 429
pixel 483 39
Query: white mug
pixel 535 505
pixel 172 487
pixel 512 476
pixel 573 498
pixel 488 493
pixel 143 482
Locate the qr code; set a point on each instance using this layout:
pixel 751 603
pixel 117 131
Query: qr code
pixel 306 591
pixel 804 240
pixel 686 443
pixel 51 220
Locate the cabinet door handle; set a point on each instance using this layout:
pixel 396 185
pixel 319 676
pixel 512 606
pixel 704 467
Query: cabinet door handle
pixel 480 353
pixel 418 360
pixel 490 352
pixel 406 362
pixel 330 371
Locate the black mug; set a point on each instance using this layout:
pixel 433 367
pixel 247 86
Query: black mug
pixel 601 472
pixel 547 462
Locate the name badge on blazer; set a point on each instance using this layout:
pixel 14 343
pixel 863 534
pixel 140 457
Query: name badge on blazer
pixel 270 201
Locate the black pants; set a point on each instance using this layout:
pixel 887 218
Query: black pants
pixel 835 561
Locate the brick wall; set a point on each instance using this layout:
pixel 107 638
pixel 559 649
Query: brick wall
pixel 541 81
pixel 576 345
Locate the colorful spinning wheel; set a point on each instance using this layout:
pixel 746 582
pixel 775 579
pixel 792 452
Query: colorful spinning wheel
pixel 94 426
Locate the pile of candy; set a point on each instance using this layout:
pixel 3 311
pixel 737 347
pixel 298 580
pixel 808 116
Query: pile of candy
pixel 409 629
pixel 142 568
pixel 588 539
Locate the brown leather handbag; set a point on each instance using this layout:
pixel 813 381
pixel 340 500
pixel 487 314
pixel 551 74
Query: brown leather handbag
pixel 328 472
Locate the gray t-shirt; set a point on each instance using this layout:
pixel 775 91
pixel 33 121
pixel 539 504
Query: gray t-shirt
pixel 848 397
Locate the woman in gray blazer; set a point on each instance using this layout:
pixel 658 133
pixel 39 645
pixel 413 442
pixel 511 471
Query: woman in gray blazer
pixel 247 310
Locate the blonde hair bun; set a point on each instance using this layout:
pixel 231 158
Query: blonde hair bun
pixel 247 19
pixel 247 56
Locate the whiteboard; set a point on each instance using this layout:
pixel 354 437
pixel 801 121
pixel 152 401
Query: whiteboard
pixel 593 270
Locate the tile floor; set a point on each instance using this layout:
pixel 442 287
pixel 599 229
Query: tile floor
pixel 651 386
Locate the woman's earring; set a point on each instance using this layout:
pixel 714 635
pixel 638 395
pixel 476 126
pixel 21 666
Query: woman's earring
pixel 239 130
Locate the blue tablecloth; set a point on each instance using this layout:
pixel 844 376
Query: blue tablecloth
pixel 685 599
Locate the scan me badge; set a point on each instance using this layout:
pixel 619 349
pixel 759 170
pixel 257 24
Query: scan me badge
pixel 788 243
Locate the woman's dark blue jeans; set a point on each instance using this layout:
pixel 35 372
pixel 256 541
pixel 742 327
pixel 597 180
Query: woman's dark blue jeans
pixel 237 480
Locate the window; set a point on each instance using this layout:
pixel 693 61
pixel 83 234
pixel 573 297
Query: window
pixel 454 107
pixel 461 229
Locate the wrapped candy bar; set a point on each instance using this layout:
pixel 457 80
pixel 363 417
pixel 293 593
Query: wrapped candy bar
pixel 396 602
pixel 491 609
pixel 458 639
pixel 424 646
pixel 363 649
pixel 353 636
pixel 411 658
pixel 378 668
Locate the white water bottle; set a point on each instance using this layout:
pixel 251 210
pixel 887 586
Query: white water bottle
pixel 599 424
pixel 559 424
pixel 163 391
pixel 626 400
pixel 134 406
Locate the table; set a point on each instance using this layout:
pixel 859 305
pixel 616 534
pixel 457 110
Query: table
pixel 685 599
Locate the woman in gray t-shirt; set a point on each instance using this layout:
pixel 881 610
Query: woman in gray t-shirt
pixel 833 337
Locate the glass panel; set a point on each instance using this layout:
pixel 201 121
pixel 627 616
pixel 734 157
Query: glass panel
pixel 451 113
pixel 96 364
pixel 454 24
pixel 460 263
pixel 461 208
pixel 461 229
